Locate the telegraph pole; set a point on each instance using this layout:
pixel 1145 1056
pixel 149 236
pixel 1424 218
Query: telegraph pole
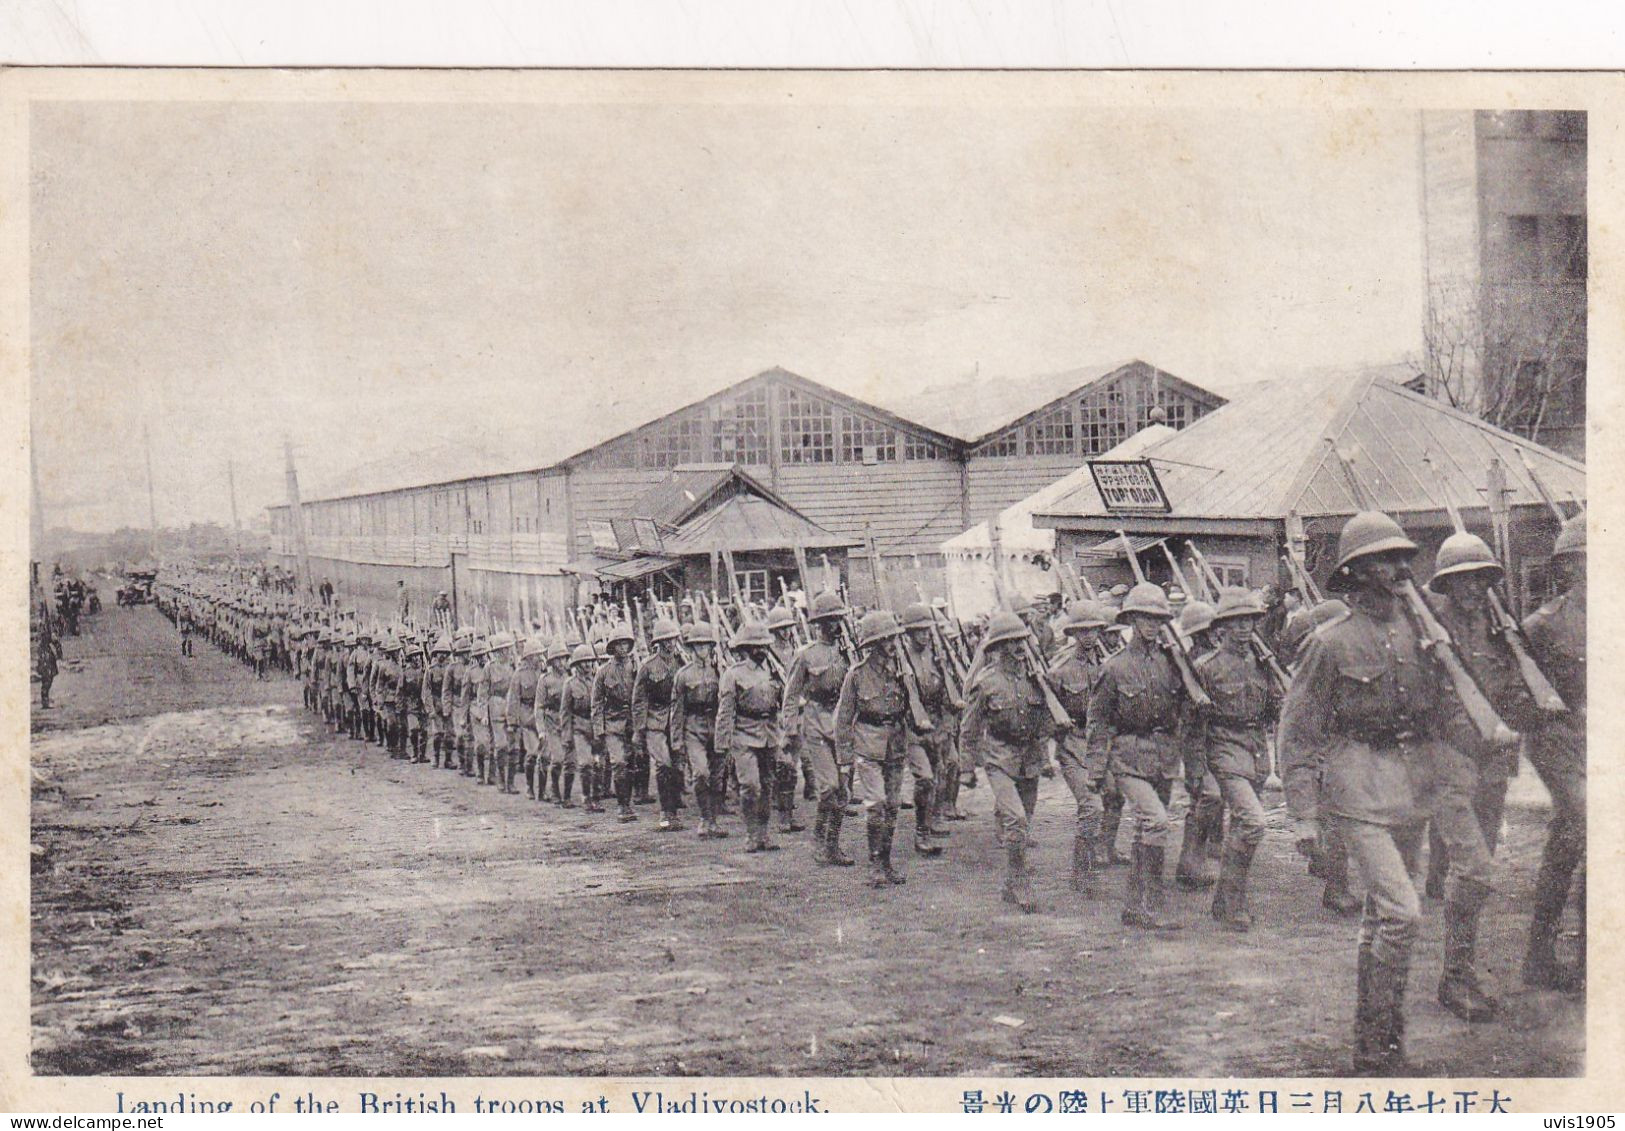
pixel 152 505
pixel 297 513
pixel 236 526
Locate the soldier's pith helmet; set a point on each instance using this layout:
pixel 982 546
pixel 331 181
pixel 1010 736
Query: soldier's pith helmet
pixel 533 647
pixel 779 617
pixel 918 615
pixel 558 650
pixel 1148 600
pixel 1084 614
pixel 1005 626
pixel 751 634
pixel 826 605
pixel 583 654
pixel 875 627
pixel 621 633
pixel 1196 616
pixel 501 642
pixel 1238 603
pixel 1368 533
pixel 664 629
pixel 1465 553
pixel 1572 538
pixel 442 646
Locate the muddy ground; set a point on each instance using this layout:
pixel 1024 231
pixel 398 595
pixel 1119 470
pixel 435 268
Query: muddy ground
pixel 220 886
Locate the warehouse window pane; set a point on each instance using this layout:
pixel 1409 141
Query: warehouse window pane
pixel 1052 434
pixel 865 441
pixel 807 429
pixel 679 440
pixel 742 429
pixel 1103 420
pixel 914 447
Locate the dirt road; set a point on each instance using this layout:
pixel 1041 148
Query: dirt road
pixel 221 886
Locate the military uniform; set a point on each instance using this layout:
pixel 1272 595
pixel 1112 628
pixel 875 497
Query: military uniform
pixel 651 729
pixel 693 727
pixel 523 735
pixel 1557 750
pixel 549 711
pixel 612 727
pixel 811 692
pixel 580 739
pixel 499 677
pixel 477 690
pixel 414 707
pixel 928 751
pixel 870 731
pixel 1073 681
pixel 747 731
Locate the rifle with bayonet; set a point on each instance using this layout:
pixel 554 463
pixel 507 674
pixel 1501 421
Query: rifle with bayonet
pixel 1434 637
pixel 1504 626
pixel 1169 639
pixel 1261 649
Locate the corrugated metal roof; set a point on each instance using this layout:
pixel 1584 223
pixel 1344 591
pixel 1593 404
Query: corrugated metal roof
pixel 750 522
pixel 1112 548
pixel 683 492
pixel 1265 454
pixel 636 567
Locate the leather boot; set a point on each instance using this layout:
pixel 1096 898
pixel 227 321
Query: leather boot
pixel 1191 873
pixel 623 794
pixel 1110 822
pixel 1373 1007
pixel 1541 969
pixel 1459 991
pixel 1145 891
pixel 1230 899
pixel 787 815
pixel 590 790
pixel 832 836
pixel 876 826
pixel 1085 876
pixel 1018 885
pixel 764 815
pixel 1213 832
pixel 922 820
pixel 821 834
pixel 893 876
pixel 530 779
pixel 1334 863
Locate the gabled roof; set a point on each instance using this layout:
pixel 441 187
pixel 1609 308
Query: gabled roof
pixel 1265 454
pixel 975 408
pixel 751 522
pixel 691 487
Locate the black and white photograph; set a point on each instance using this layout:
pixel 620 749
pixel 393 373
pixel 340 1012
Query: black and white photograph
pixel 806 576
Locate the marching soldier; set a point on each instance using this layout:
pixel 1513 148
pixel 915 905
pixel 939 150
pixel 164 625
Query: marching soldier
pixel 932 749
pixel 414 706
pixel 1464 569
pixel 612 716
pixel 651 721
pixel 948 778
pixel 693 725
pixel 45 666
pixel 452 705
pixel 580 741
pixel 561 772
pixel 386 694
pixel 1204 819
pixel 1232 740
pixel 781 624
pixel 1557 750
pixel 748 701
pixel 435 691
pixel 869 732
pixel 811 693
pixel 1135 713
pixel 523 735
pixel 499 676
pixel 1364 716
pixel 477 690
pixel 1073 680
pixel 1005 729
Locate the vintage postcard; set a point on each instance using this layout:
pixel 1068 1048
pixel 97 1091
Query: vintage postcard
pixel 772 592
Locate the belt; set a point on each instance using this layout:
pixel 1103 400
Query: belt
pixel 744 714
pixel 1147 733
pixel 826 701
pixel 879 720
pixel 1387 736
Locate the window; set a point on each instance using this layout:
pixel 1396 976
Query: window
pixel 680 440
pixel 807 430
pixel 1231 571
pixel 1053 434
pixel 1004 444
pixel 742 429
pixel 915 447
pixel 752 584
pixel 1103 418
pixel 863 439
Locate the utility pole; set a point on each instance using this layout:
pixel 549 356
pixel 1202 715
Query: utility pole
pixel 152 505
pixel 236 526
pixel 297 513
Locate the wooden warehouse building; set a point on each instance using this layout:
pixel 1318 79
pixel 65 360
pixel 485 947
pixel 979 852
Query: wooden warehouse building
pixel 906 477
pixel 1263 470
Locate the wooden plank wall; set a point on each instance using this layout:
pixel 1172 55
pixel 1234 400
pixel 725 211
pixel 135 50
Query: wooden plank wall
pixel 910 505
pixel 996 482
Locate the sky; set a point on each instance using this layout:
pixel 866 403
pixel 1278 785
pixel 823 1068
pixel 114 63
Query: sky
pixel 377 282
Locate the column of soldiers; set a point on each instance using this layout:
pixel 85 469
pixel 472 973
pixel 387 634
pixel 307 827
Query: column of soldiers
pixel 1372 744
